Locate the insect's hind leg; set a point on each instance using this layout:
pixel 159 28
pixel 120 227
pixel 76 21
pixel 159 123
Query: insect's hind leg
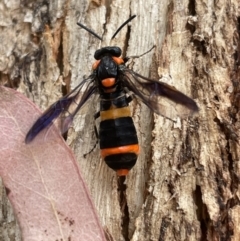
pixel 96 115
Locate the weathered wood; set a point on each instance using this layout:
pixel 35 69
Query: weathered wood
pixel 185 184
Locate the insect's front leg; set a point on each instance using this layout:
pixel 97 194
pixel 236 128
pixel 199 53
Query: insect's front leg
pixel 138 56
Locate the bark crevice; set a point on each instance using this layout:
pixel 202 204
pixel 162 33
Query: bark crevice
pixel 122 187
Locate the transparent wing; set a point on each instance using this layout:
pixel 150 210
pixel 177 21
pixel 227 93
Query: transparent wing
pixel 73 101
pixel 160 97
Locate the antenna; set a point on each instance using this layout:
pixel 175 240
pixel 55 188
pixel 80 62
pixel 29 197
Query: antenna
pixel 126 22
pixel 114 35
pixel 89 30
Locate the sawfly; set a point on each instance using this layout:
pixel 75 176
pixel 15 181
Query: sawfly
pixel 113 82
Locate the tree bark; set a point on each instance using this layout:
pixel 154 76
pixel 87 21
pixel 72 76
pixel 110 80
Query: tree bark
pixel 185 183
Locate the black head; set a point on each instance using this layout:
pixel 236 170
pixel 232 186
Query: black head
pixel 110 50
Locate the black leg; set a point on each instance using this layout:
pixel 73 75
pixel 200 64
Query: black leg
pixel 129 99
pixel 96 115
pixel 138 56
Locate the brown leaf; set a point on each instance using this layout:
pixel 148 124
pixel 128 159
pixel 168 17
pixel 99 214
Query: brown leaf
pixel 44 183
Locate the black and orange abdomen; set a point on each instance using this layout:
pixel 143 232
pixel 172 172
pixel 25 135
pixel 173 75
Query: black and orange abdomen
pixel 117 134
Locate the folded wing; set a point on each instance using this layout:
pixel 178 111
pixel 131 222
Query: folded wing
pixel 160 97
pixel 61 108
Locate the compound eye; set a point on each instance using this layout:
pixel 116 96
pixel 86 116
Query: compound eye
pixel 95 65
pixel 118 60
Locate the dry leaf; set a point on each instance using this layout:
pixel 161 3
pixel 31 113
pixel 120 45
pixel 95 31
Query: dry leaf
pixel 43 180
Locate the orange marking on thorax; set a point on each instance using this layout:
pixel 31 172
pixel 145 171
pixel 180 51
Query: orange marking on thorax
pixel 109 82
pixel 95 64
pixel 118 60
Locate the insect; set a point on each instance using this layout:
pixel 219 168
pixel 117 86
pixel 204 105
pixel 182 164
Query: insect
pixel 113 82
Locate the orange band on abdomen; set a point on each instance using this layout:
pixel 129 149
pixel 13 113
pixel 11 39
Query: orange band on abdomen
pixel 115 113
pixel 120 150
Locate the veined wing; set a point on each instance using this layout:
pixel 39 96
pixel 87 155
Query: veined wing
pixel 160 97
pixel 61 107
